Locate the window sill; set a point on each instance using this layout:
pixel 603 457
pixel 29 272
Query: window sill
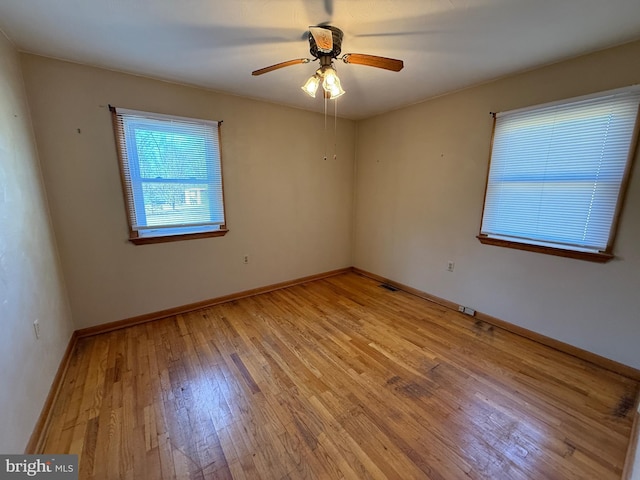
pixel 559 252
pixel 176 238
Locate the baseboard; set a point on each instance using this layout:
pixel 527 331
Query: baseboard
pixel 603 362
pixel 150 317
pixel 36 440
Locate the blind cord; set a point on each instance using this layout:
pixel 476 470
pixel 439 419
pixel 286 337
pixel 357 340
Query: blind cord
pixel 325 126
pixel 335 130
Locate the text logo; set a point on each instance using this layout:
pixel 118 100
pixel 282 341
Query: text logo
pixel 50 467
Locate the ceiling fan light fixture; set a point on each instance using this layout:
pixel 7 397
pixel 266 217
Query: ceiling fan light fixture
pixel 311 86
pixel 335 89
pixel 325 46
pixel 331 83
pixel 330 77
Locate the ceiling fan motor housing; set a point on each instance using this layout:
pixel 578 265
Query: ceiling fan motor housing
pixel 336 33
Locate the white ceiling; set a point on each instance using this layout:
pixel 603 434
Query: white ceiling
pixel 445 44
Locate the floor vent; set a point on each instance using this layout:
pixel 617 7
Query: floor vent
pixel 391 288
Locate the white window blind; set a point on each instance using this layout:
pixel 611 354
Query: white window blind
pixel 171 172
pixel 556 171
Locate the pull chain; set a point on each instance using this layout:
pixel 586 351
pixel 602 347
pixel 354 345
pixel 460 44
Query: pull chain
pixel 335 130
pixel 325 126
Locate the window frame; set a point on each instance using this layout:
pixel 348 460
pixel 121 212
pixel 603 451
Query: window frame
pixel 130 182
pixel 600 256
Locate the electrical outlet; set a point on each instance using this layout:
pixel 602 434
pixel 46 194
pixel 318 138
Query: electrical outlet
pixel 450 265
pixel 245 259
pixel 466 310
pixel 36 327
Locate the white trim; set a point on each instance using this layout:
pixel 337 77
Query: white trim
pixel 542 243
pixel 176 225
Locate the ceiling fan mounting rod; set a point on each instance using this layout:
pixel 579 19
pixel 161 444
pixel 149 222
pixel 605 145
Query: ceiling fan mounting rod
pixel 325 60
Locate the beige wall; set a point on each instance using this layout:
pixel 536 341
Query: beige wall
pixel 421 174
pixel 31 285
pixel 286 207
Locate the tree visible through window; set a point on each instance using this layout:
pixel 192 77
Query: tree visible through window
pixel 172 175
pixel 557 175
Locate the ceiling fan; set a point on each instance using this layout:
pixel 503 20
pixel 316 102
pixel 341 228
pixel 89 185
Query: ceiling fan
pixel 325 42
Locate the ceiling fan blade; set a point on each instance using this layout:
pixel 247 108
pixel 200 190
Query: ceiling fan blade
pixel 323 38
pixel 271 68
pixel 397 34
pixel 328 7
pixel 373 61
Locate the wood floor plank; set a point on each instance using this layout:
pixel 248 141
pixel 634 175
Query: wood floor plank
pixel 336 379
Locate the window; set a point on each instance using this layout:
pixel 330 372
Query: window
pixel 171 174
pixel 557 175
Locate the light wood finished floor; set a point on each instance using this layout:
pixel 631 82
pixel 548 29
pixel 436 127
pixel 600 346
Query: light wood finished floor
pixel 337 378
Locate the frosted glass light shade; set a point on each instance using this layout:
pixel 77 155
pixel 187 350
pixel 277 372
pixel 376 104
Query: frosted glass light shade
pixel 311 86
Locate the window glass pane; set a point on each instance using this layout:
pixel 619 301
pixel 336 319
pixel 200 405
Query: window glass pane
pixel 170 155
pixel 176 204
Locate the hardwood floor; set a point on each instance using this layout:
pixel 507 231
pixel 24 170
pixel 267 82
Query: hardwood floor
pixel 337 378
